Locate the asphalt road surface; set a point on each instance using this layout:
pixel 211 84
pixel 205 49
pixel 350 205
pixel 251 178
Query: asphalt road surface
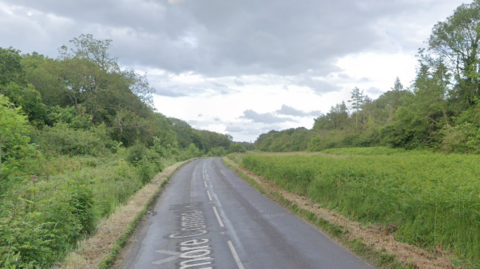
pixel 207 217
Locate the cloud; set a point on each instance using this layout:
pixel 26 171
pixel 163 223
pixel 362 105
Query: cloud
pixel 234 129
pixel 319 86
pixel 268 118
pixel 239 82
pixel 374 91
pixel 169 93
pixel 235 38
pixel 290 111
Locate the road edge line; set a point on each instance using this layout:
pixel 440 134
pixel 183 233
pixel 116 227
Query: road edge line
pixel 219 219
pixel 235 255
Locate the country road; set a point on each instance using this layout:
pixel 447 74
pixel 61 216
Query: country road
pixel 207 217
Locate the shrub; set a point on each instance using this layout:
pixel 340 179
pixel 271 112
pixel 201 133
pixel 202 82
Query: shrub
pixel 65 140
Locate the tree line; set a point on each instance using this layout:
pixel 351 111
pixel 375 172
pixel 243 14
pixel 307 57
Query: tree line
pixel 78 136
pixel 440 110
pixel 82 92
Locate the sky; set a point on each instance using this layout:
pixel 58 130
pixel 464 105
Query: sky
pixel 241 67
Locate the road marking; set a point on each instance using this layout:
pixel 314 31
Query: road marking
pixel 218 217
pixel 175 256
pixel 205 183
pixel 203 176
pixel 209 195
pixel 235 255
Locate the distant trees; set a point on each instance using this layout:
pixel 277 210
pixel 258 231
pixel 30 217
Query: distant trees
pixel 287 140
pixel 358 99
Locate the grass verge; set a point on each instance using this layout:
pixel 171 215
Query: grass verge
pixel 101 249
pixel 342 230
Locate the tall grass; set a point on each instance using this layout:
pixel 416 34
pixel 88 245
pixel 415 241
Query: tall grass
pixel 43 216
pixel 433 199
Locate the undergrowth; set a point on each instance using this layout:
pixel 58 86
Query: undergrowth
pixel 42 216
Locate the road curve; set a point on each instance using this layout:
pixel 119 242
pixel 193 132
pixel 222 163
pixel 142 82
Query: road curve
pixel 207 217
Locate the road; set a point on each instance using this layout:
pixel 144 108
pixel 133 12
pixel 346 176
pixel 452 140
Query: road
pixel 207 217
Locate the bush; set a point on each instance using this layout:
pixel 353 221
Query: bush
pixel 217 152
pixel 65 140
pixel 463 138
pixel 46 224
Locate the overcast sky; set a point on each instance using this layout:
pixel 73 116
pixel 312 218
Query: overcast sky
pixel 242 67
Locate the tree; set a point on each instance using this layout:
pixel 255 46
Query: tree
pixel 236 147
pixel 357 102
pixel 45 75
pixel 28 99
pixel 457 41
pixel 13 130
pixel 94 50
pixel 11 69
pixel 396 94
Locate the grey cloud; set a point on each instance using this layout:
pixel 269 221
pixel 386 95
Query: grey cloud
pixel 218 85
pixel 264 117
pixel 344 76
pixel 234 129
pixel 374 91
pixel 317 85
pixel 290 111
pixel 167 87
pixel 169 93
pixel 232 38
pixel 239 82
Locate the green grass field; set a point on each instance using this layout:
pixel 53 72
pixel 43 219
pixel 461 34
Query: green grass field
pixel 433 199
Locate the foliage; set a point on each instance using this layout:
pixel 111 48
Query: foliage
pixel 63 139
pixel 11 69
pixel 217 152
pixel 193 151
pixel 236 147
pixel 13 137
pixel 287 140
pixel 456 40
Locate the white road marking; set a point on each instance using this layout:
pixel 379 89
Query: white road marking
pixel 205 183
pixel 218 217
pixel 209 195
pixel 235 255
pixel 175 256
pixel 203 176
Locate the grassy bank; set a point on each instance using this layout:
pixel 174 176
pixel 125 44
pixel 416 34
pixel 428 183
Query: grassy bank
pixel 426 199
pixel 43 216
